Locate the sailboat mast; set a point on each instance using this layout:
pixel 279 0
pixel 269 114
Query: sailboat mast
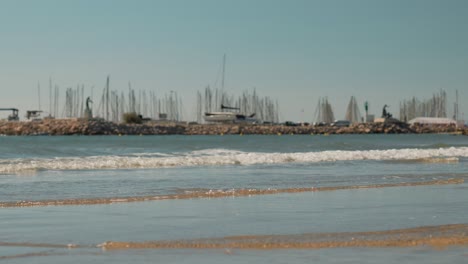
pixel 223 73
pixel 50 96
pixel 107 99
pixel 39 94
pixel 455 112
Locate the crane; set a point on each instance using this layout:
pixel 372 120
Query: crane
pixel 13 116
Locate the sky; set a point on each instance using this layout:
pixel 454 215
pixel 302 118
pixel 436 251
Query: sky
pixel 292 51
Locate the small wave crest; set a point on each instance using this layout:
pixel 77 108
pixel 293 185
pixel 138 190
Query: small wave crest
pixel 220 157
pixel 220 193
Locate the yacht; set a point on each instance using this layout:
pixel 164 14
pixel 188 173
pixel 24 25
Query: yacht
pixel 228 116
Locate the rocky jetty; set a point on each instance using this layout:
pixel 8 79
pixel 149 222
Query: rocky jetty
pixel 85 127
pixel 101 127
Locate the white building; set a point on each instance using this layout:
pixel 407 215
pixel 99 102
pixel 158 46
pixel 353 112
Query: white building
pixel 432 121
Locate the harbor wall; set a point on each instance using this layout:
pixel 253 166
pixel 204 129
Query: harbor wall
pixel 101 127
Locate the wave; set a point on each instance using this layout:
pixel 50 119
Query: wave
pixel 220 157
pixel 220 193
pixel 447 160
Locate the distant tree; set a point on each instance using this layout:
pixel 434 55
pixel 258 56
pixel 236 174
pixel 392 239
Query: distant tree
pixel 132 118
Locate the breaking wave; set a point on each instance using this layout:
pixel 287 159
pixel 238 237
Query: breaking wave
pixel 220 157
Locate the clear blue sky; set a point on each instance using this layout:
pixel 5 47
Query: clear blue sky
pixel 295 51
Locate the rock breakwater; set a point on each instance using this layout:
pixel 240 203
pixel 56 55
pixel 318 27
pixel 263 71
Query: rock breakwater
pixel 101 127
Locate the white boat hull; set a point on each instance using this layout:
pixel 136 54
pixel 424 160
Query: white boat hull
pixel 227 117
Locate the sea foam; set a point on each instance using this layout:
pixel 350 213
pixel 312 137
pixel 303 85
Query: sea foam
pixel 220 157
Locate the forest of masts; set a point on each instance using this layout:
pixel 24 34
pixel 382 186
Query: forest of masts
pixel 436 106
pixel 433 107
pixel 324 111
pixel 112 104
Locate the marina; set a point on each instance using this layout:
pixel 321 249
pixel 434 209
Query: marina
pixel 264 132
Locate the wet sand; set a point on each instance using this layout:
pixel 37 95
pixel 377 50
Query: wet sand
pixel 437 237
pixel 205 193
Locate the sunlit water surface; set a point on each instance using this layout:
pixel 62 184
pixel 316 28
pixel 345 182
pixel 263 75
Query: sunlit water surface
pixel 400 172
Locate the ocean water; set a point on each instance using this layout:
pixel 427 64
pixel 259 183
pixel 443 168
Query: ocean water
pixel 231 199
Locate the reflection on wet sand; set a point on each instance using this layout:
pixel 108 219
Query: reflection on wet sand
pixel 434 236
pixel 205 193
pixel 437 237
pixel 32 254
pixel 39 245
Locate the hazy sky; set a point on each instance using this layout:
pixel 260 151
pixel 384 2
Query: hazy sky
pixel 294 51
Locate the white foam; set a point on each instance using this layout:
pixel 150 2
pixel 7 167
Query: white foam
pixel 219 157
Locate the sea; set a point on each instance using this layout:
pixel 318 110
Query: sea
pixel 234 199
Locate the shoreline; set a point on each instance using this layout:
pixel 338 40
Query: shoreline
pixel 62 127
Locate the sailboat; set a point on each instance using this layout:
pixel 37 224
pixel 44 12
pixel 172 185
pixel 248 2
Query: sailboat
pixel 228 116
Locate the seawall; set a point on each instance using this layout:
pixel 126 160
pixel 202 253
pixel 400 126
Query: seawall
pixel 101 127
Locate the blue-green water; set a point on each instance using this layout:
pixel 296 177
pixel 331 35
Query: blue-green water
pixel 59 168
